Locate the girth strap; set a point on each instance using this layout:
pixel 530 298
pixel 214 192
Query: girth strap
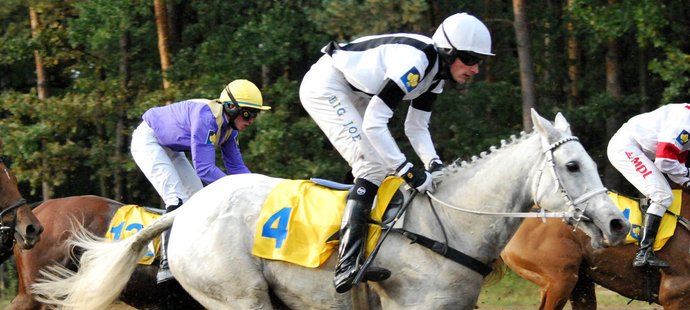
pixel 446 251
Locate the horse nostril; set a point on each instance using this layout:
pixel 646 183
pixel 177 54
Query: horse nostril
pixel 617 225
pixel 34 230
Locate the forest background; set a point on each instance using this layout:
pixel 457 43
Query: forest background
pixel 78 74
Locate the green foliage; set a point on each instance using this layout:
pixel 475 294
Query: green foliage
pixel 468 120
pixel 343 18
pixel 287 143
pixel 70 140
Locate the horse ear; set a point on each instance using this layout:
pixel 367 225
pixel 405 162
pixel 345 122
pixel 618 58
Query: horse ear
pixel 544 127
pixel 562 124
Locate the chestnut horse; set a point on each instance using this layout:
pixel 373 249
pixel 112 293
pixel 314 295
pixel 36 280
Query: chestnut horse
pixel 17 223
pixel 564 265
pixel 94 213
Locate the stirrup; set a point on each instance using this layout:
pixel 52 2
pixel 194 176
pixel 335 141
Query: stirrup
pixel 649 260
pixel 376 274
pixel 164 275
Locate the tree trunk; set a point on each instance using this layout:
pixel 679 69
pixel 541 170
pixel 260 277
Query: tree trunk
pixel 120 143
pixel 525 61
pixel 162 28
pixel 42 91
pixel 643 73
pixel 612 178
pixel 573 51
pixel 174 25
pixel 488 73
pixel 41 86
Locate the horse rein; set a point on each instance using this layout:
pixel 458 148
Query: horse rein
pixel 573 213
pixel 12 208
pixel 5 229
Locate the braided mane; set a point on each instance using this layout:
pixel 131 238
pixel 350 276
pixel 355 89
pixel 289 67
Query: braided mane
pixel 460 164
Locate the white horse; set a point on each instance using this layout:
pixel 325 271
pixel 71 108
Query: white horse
pixel 212 235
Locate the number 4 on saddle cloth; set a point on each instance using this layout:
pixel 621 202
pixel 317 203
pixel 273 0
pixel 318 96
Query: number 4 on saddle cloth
pixel 631 210
pixel 130 219
pixel 300 220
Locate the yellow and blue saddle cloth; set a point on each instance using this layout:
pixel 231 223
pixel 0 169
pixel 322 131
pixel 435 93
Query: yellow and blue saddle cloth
pixel 299 217
pixel 631 210
pixel 128 220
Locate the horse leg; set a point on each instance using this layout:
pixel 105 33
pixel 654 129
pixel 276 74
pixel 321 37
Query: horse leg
pixel 583 296
pixel 216 267
pixel 554 293
pixel 222 291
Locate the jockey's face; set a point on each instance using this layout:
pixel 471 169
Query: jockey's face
pixel 462 72
pixel 242 123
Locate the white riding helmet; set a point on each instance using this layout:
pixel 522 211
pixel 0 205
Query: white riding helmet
pixel 463 32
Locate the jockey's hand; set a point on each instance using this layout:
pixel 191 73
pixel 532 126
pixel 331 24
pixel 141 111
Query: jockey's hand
pixel 436 170
pixel 418 179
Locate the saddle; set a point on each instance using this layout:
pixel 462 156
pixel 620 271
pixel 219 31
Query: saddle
pixel 130 219
pixel 633 209
pixel 300 220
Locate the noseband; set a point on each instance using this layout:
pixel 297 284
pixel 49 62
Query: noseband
pixel 7 228
pixel 12 208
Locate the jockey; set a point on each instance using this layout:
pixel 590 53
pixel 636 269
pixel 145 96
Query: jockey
pixel 197 126
pixel 645 148
pixel 351 93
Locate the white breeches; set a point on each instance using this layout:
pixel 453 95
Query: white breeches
pixel 171 174
pixel 338 111
pixel 626 155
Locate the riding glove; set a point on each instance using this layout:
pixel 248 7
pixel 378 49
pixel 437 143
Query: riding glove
pixel 418 179
pixel 436 170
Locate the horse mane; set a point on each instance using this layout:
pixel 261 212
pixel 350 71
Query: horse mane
pixel 459 164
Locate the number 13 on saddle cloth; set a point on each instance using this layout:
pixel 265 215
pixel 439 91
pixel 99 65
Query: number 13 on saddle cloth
pixel 128 220
pixel 299 219
pixel 631 210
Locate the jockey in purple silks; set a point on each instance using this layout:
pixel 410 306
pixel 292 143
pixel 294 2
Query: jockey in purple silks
pixel 197 126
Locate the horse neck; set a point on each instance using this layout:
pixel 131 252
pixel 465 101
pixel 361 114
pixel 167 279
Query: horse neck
pixel 500 182
pixel 685 205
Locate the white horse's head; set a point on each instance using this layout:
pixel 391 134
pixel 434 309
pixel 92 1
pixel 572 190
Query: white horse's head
pixel 569 181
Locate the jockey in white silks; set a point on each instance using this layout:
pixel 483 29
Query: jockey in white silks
pixel 198 126
pixel 352 91
pixel 645 148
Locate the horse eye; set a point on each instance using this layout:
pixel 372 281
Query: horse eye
pixel 572 166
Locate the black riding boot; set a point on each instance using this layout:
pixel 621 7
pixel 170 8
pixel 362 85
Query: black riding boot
pixel 164 273
pixel 353 235
pixel 645 255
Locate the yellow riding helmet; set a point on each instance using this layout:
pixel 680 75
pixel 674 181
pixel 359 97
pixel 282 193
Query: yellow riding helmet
pixel 245 93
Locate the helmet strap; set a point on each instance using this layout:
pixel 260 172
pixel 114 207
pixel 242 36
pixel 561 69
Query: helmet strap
pixel 447 56
pixel 445 61
pixel 232 110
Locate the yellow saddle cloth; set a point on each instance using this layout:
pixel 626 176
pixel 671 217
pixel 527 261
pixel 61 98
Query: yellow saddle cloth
pixel 631 209
pixel 130 219
pixel 299 216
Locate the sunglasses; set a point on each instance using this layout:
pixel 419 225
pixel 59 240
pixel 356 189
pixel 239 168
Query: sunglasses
pixel 248 114
pixel 469 59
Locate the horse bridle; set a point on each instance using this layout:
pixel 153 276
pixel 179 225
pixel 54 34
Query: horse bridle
pixel 573 214
pixel 12 208
pixel 7 229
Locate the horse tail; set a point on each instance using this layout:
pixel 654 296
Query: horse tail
pixel 104 269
